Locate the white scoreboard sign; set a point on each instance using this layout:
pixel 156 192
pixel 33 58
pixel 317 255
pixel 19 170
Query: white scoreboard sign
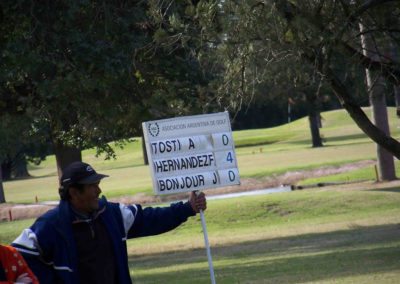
pixel 191 153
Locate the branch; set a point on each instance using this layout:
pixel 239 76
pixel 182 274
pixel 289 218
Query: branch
pixel 365 7
pixel 360 118
pixel 389 70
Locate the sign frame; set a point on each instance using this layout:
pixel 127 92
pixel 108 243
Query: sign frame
pixel 191 153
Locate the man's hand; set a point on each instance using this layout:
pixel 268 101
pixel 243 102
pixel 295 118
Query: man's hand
pixel 198 201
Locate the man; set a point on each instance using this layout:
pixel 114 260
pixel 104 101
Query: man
pixel 83 239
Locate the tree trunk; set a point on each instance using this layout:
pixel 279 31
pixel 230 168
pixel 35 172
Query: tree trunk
pixel 65 155
pixel 314 117
pixel 2 196
pixel 396 90
pixel 376 90
pixel 386 169
pixel 6 168
pixel 314 127
pixel 358 115
pixel 145 158
pixel 394 56
pixel 20 167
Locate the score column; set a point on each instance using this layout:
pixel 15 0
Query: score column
pixel 225 159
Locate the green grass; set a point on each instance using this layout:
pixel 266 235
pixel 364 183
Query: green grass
pixel 254 216
pixel 310 259
pixel 312 236
pixel 315 236
pixel 10 230
pixel 362 174
pixel 260 153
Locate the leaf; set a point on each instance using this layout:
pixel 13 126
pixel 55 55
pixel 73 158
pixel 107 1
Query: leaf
pixel 289 36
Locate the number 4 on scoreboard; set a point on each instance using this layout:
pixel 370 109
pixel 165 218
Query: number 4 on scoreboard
pixel 229 157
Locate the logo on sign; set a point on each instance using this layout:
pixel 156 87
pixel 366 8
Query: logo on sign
pixel 154 129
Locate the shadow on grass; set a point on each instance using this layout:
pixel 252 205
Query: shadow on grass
pixel 335 140
pixel 389 189
pixel 55 175
pixel 350 137
pixel 30 177
pixel 360 251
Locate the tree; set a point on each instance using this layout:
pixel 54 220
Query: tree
pixel 20 143
pixel 67 67
pixel 318 34
pixel 175 62
pixel 339 37
pixel 2 196
pixel 11 132
pixel 376 90
pixel 253 62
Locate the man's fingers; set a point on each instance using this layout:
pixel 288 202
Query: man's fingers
pixel 198 201
pixel 201 202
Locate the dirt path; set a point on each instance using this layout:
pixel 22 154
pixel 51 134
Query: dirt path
pixel 23 211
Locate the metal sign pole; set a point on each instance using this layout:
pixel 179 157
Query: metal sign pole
pixel 207 244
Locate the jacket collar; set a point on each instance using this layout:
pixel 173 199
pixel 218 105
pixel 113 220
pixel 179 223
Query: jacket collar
pixel 66 212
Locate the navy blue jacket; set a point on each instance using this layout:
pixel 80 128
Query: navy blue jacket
pixel 49 246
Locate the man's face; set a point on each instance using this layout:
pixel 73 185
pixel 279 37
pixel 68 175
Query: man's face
pixel 87 200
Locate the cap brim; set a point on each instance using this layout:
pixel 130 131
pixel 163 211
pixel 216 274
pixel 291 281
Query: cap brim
pixel 92 179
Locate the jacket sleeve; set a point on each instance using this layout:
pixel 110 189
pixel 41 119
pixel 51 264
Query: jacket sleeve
pixel 36 246
pixel 156 220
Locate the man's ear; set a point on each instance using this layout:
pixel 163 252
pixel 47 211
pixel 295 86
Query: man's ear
pixel 73 192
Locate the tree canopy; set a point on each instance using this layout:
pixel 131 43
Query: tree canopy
pixel 83 73
pixel 310 44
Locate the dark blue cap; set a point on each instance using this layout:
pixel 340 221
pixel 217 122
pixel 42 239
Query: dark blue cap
pixel 79 173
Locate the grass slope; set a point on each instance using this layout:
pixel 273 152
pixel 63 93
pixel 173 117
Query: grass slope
pixel 260 153
pixel 313 236
pixel 309 236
